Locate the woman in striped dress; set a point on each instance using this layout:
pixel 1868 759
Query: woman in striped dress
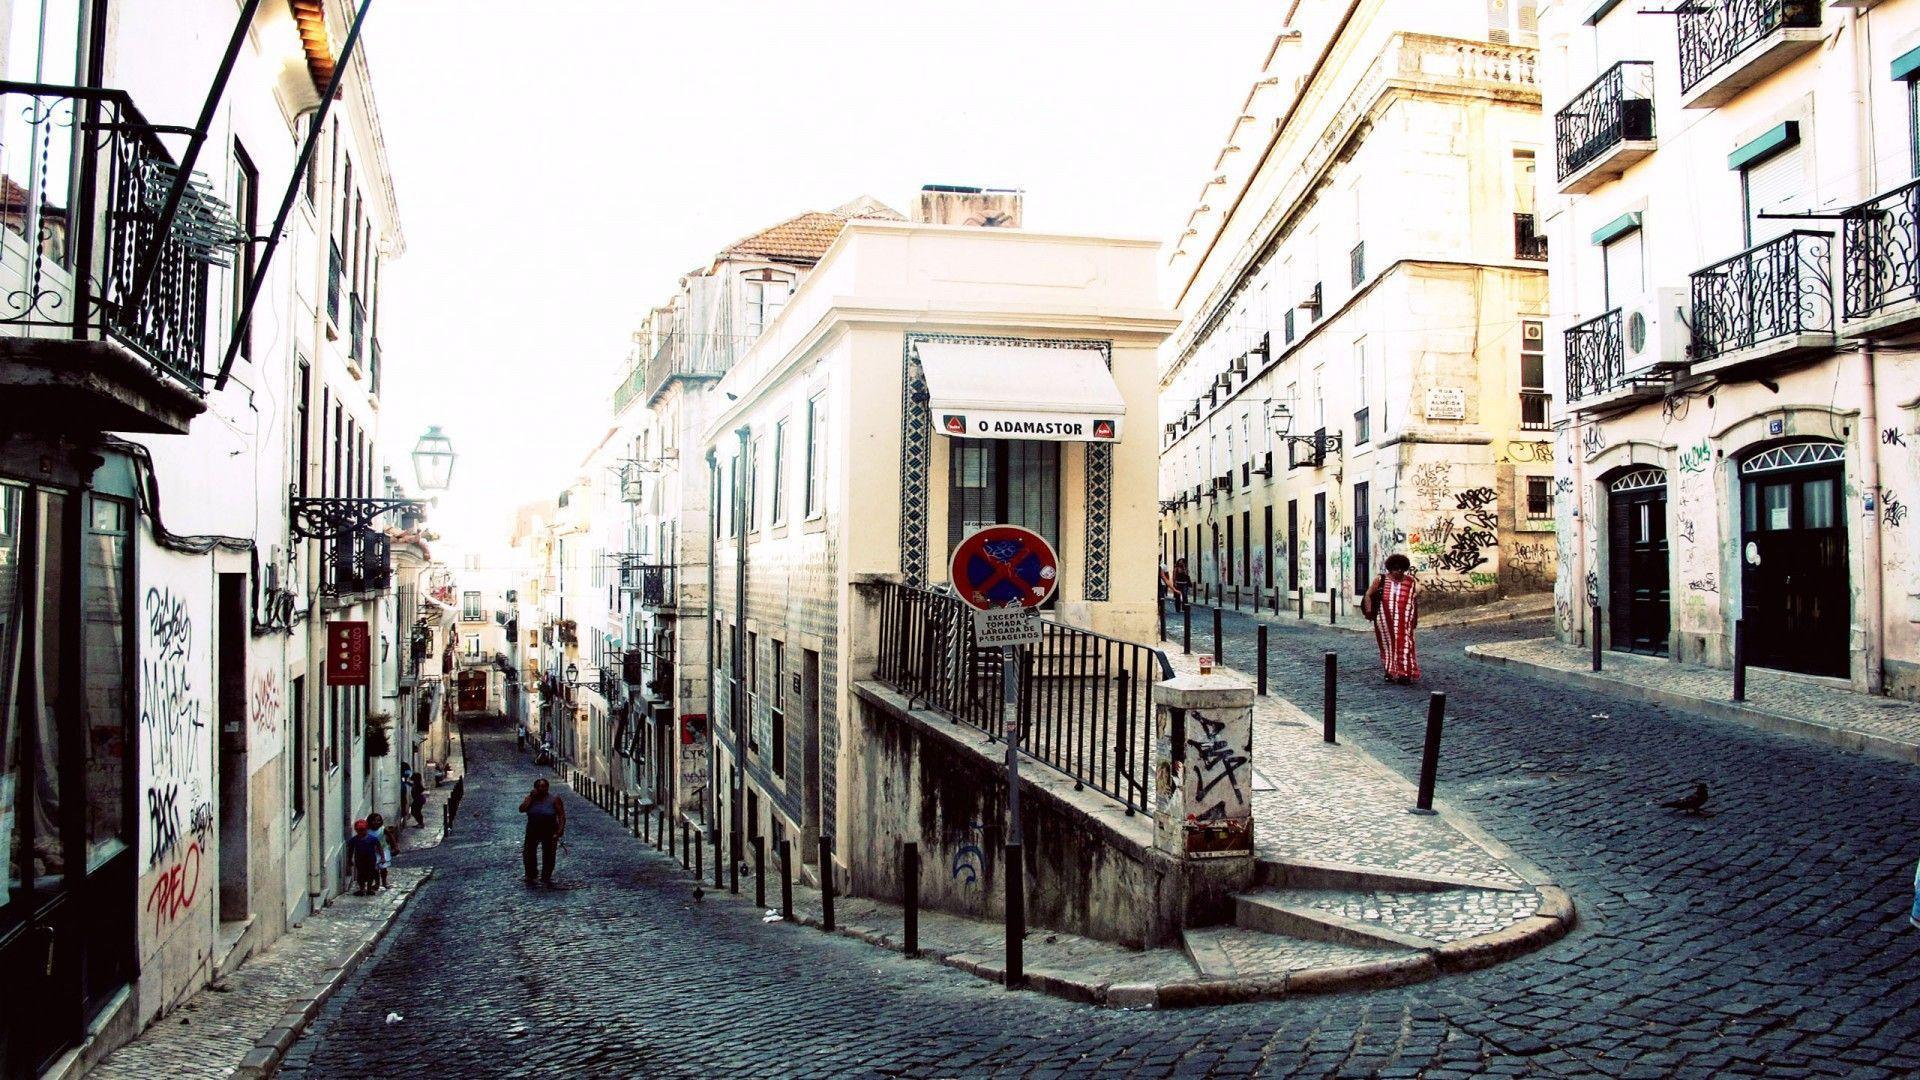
pixel 1393 605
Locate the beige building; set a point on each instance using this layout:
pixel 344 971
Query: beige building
pixel 1733 216
pixel 1359 367
pixel 854 446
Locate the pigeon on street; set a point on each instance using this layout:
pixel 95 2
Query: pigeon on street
pixel 1690 804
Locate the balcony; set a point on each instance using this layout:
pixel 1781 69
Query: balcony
pixel 653 583
pixel 1535 408
pixel 1597 375
pixel 1728 46
pixel 356 327
pixel 1772 301
pixel 1881 265
pixel 677 359
pixel 102 319
pixel 356 562
pixel 1605 128
pixel 1528 246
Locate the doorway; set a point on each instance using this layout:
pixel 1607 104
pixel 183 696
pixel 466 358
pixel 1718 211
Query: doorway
pixel 1638 598
pixel 232 634
pixel 1793 558
pixel 811 765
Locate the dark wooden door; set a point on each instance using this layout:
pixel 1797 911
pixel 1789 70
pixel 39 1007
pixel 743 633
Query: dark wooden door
pixel 473 690
pixel 1639 603
pixel 1793 558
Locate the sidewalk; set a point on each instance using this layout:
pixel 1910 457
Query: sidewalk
pixel 1777 702
pixel 1532 606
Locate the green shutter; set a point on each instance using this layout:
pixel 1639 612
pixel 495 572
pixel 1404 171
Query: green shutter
pixel 1617 228
pixel 1600 11
pixel 1907 64
pixel 1777 138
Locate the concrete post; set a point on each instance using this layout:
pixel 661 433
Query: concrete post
pixel 1203 777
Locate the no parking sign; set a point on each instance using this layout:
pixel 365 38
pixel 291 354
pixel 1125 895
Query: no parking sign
pixel 1004 572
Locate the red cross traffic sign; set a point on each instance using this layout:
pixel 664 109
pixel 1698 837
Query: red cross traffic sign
pixel 1004 566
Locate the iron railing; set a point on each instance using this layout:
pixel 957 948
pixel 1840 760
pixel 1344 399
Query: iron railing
pixel 1712 34
pixel 652 582
pixel 336 270
pixel 677 358
pixel 359 560
pixel 1528 245
pixel 83 180
pixel 356 326
pixel 1596 363
pixel 1085 703
pixel 1617 107
pixel 1882 260
pixel 1534 407
pixel 373 366
pixel 1773 290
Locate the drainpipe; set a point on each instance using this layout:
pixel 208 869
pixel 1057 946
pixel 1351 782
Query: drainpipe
pixel 737 812
pixel 710 810
pixel 1872 600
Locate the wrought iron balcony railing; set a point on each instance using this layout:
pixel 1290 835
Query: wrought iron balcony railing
pixel 652 583
pixel 84 179
pixel 677 357
pixel 336 270
pixel 1774 290
pixel 1535 405
pixel 1528 245
pixel 1882 252
pixel 357 561
pixel 1596 363
pixel 1616 108
pixel 356 326
pixel 1712 34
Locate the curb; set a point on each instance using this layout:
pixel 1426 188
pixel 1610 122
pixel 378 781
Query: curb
pixel 1745 715
pixel 265 1057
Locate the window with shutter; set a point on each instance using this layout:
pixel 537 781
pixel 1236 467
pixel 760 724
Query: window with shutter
pixel 1776 184
pixel 1626 276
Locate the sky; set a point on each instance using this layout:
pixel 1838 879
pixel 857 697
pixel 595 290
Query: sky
pixel 559 164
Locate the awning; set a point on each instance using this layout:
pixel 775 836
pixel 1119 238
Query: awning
pixel 1021 392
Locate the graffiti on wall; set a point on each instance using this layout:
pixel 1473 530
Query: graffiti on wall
pixel 1432 483
pixel 174 891
pixel 1892 510
pixel 1696 458
pixel 173 722
pixel 1592 441
pixel 1527 453
pixel 969 859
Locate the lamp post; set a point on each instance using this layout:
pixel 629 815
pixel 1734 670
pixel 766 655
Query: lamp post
pixel 433 460
pixel 573 676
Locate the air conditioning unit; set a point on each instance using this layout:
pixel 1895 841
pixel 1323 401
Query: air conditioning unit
pixel 1653 330
pixel 1238 365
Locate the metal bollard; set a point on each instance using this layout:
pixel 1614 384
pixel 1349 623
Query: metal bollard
pixel 910 888
pixel 1739 660
pixel 686 847
pixel 646 828
pixel 1593 630
pixel 760 872
pixel 786 880
pixel 1277 592
pixel 1260 638
pixel 1016 917
pixel 1328 683
pixel 826 882
pixel 1430 754
pixel 1218 657
pixel 1186 630
pixel 1333 606
pixel 717 867
pixel 699 858
pixel 1303 604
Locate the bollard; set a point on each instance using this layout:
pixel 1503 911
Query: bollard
pixel 1016 917
pixel 760 872
pixel 1328 682
pixel 717 869
pixel 1186 630
pixel 1160 613
pixel 646 828
pixel 1277 591
pixel 910 888
pixel 1333 608
pixel 1430 754
pixel 786 880
pixel 1593 628
pixel 1739 660
pixel 699 858
pixel 1218 656
pixel 1303 604
pixel 826 883
pixel 1236 598
pixel 686 847
pixel 1260 639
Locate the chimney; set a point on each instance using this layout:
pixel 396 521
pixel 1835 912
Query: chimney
pixel 950 204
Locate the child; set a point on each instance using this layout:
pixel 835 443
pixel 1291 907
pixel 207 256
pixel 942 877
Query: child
pixel 377 825
pixel 365 852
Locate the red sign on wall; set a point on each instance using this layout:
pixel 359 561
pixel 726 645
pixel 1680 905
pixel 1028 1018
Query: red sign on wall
pixel 349 655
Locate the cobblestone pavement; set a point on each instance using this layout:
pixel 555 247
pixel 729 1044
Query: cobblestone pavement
pixel 1769 693
pixel 207 1036
pixel 1767 940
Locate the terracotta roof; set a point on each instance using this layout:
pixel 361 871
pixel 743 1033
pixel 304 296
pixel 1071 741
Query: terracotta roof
pixel 310 16
pixel 805 237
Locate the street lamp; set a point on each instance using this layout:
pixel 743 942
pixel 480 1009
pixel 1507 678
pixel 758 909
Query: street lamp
pixel 433 460
pixel 1320 443
pixel 573 676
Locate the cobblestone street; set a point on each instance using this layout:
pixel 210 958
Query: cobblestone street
pixel 1765 940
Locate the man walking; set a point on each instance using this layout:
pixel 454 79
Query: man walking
pixel 417 793
pixel 546 824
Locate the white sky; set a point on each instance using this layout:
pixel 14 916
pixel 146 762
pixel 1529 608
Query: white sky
pixel 558 171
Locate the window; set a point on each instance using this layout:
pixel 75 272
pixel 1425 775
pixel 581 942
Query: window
pixel 1913 124
pixel 472 647
pixel 470 607
pixel 297 746
pixel 777 716
pixel 1266 514
pixel 246 207
pixel 302 405
pixel 1534 399
pixel 1293 544
pixel 1362 417
pixel 1362 536
pixel 751 692
pixel 1320 542
pixel 996 481
pixel 816 454
pixel 1772 185
pixel 730 509
pixel 105 609
pixel 1286 325
pixel 780 471
pixel 766 297
pixel 1626 271
pixel 1357 263
pixel 1539 497
pixel 1528 242
pixel 753 485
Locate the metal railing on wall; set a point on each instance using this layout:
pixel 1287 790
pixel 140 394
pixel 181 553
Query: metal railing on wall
pixel 1775 289
pixel 1882 251
pixel 1618 106
pixel 1086 699
pixel 1712 35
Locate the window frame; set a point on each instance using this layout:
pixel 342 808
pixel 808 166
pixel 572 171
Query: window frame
pixel 778 510
pixel 815 503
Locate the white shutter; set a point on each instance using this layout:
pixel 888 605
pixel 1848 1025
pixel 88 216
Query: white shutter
pixel 1626 270
pixel 1778 184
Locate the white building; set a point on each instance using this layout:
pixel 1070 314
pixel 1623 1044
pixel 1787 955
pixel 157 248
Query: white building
pixel 1359 366
pixel 1732 214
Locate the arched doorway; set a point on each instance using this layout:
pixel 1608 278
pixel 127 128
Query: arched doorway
pixel 1793 558
pixel 1638 600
